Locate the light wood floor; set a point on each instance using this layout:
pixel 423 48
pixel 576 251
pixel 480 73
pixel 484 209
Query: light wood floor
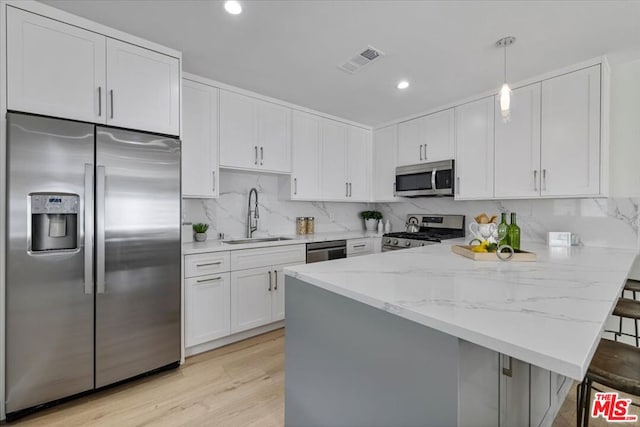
pixel 238 385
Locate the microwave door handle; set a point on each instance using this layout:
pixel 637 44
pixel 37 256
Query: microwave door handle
pixel 433 178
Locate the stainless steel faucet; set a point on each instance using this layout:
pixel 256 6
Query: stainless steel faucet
pixel 252 215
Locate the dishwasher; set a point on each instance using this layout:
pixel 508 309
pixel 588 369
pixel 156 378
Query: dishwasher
pixel 326 251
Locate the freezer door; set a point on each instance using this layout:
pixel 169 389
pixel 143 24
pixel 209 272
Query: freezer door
pixel 49 332
pixel 137 253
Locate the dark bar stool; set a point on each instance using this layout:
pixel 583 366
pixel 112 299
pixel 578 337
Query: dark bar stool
pixel 615 365
pixel 629 308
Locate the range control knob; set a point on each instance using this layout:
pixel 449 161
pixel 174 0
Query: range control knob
pixel 421 244
pixel 395 241
pixel 407 243
pixel 387 240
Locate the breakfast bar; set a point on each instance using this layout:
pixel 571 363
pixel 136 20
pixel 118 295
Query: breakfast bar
pixel 427 337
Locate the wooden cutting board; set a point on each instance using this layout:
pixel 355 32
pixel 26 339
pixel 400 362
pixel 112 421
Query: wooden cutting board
pixel 518 256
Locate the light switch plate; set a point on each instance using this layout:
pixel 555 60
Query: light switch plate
pixel 559 238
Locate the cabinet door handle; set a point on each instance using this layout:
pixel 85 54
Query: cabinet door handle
pixel 458 185
pixel 350 188
pixel 535 180
pixel 295 186
pixel 346 189
pixel 209 263
pixel 544 180
pixel 213 181
pixel 255 158
pixel 111 99
pixel 269 281
pixel 213 279
pixel 275 274
pixel 425 151
pixel 261 155
pixel 99 101
pixel 420 151
pixel 394 189
pixel 508 371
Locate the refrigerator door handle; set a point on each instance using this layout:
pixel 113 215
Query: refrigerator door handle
pixel 100 190
pixel 88 228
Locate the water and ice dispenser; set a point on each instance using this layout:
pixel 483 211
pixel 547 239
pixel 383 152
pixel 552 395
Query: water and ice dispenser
pixel 54 221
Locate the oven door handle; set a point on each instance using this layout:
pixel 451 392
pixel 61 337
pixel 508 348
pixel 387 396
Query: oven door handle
pixel 335 248
pixel 433 178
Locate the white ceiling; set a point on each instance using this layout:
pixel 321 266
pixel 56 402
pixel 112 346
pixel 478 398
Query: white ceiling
pixel 290 49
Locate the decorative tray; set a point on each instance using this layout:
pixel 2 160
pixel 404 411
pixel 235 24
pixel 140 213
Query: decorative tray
pixel 518 256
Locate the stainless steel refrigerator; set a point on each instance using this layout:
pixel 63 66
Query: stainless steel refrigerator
pixel 93 257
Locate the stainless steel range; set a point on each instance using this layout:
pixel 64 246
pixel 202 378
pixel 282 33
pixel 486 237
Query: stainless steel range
pixel 432 229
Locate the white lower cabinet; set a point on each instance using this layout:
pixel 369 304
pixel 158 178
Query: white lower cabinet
pixel 208 311
pixel 357 247
pixel 250 298
pixel 495 389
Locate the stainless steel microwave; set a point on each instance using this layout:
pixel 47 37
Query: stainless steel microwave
pixel 426 179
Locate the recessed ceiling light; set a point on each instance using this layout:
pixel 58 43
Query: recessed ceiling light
pixel 403 84
pixel 233 7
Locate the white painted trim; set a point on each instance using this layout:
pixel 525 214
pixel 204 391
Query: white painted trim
pixel 224 86
pixel 526 82
pixel 62 16
pixel 3 197
pixel 605 131
pixel 201 348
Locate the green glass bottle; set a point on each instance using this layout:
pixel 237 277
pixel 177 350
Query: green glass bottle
pixel 514 233
pixel 503 230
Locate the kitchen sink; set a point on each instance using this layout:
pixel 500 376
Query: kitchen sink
pixel 256 240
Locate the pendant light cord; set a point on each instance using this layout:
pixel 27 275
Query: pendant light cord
pixel 505 62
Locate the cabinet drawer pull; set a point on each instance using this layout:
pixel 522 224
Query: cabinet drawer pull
pixel 508 371
pixel 209 263
pixel 275 274
pixel 99 101
pixel 359 246
pixel 269 282
pixel 111 98
pixel 213 279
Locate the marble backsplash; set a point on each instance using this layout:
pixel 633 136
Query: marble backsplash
pixel 228 213
pixel 598 222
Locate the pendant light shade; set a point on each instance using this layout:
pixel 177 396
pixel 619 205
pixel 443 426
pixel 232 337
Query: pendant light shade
pixel 505 90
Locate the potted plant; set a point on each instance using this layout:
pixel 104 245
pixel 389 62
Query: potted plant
pixel 371 219
pixel 200 231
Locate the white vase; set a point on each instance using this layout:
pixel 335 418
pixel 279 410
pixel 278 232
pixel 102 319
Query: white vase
pixel 371 224
pixel 200 237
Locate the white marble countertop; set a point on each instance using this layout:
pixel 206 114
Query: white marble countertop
pixel 220 245
pixel 549 313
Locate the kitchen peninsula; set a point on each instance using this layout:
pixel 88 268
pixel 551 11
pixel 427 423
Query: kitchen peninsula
pixel 426 337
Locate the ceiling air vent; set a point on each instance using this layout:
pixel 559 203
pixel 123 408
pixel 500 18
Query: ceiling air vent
pixel 363 58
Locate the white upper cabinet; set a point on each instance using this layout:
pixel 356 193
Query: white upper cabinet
pixel 143 89
pixel 55 69
pixel 199 140
pixel 254 134
pixel 410 144
pixel 385 149
pixel 359 164
pixel 439 134
pixel 474 150
pixel 426 139
pixel 306 165
pixel 517 145
pixel 238 131
pixel 335 183
pixel 571 134
pixel 274 137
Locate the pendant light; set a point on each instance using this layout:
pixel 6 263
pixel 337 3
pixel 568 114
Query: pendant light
pixel 505 90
